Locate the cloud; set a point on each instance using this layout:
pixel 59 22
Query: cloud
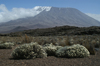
pixel 15 13
pixel 95 16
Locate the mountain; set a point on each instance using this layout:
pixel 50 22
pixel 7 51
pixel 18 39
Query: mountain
pixel 51 17
pixel 17 29
pixel 65 16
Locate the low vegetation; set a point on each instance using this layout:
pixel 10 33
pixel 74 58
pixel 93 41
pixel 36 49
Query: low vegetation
pixel 51 49
pixel 43 46
pixel 27 51
pixel 74 51
pixel 6 45
pixel 26 39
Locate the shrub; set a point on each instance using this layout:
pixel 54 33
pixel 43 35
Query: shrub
pixel 6 45
pixel 72 51
pixel 97 45
pixel 26 51
pixel 91 49
pixel 51 49
pixel 26 39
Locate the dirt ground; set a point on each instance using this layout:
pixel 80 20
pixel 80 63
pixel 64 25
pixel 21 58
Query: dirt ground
pixel 6 60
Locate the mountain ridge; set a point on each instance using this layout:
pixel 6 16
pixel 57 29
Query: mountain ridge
pixel 52 17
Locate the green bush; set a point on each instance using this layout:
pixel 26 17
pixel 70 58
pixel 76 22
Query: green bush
pixel 51 49
pixel 26 51
pixel 6 45
pixel 73 51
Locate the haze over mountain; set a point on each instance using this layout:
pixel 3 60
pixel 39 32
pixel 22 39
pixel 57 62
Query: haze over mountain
pixel 51 17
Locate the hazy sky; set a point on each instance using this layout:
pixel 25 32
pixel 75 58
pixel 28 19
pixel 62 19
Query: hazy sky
pixel 11 8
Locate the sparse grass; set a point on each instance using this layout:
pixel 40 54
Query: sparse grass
pixel 65 41
pixel 89 41
pixel 27 39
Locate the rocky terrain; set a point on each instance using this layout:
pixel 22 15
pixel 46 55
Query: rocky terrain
pixel 57 31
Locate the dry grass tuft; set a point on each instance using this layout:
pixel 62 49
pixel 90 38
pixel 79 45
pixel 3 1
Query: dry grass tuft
pixel 27 39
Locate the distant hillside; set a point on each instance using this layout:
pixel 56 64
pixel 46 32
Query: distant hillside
pixel 50 18
pixel 58 31
pixel 17 29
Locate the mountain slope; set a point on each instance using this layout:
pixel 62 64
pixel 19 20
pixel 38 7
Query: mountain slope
pixel 50 17
pixel 16 29
pixel 66 16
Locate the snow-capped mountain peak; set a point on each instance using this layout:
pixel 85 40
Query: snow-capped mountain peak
pixel 41 8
